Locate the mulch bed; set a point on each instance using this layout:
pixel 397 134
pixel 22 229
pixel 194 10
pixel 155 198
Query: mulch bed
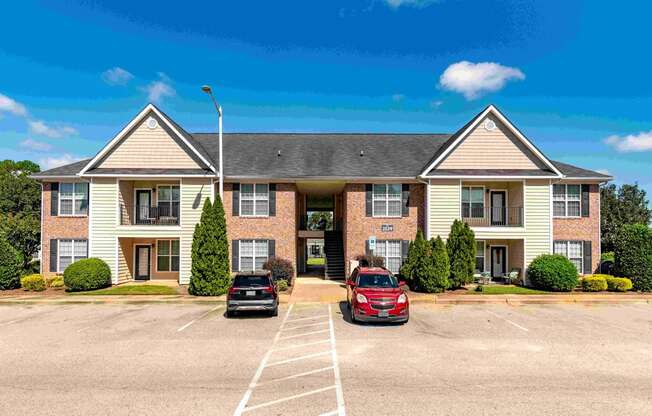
pixel 49 292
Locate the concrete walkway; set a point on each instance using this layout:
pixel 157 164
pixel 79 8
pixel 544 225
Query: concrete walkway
pixel 315 289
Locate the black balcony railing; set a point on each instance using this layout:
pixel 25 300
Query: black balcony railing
pixel 493 216
pixel 162 214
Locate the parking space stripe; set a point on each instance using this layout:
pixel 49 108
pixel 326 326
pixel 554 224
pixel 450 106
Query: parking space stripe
pixel 336 368
pixel 304 326
pixel 285 399
pixel 293 376
pixel 306 318
pixel 307 344
pixel 333 413
pixel 304 357
pixel 304 334
pixel 522 328
pixel 198 319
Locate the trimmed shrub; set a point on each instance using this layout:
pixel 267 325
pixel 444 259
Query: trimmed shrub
pixel 437 279
pixel 414 252
pixel 282 285
pixel 33 282
pixel 10 265
pixel 461 250
pixel 55 282
pixel 618 284
pixel 594 283
pixel 281 269
pixel 87 274
pixel 210 274
pixel 633 254
pixel 553 272
pixel 367 260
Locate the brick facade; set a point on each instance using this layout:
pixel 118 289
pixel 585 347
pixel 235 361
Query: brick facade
pixel 282 228
pixel 584 228
pixel 57 227
pixel 358 228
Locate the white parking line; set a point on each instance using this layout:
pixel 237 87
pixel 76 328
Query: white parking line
pixel 307 344
pixel 293 376
pixel 304 326
pixel 336 368
pixel 307 318
pixel 303 335
pixel 522 328
pixel 333 413
pixel 197 319
pixel 303 357
pixel 285 399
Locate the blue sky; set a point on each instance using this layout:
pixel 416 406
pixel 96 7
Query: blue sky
pixel 573 76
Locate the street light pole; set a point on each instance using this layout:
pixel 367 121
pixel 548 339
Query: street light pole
pixel 207 89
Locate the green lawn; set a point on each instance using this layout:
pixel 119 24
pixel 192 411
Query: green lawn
pixel 507 290
pixel 134 290
pixel 315 261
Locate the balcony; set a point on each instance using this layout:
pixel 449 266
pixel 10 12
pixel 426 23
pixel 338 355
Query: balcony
pixel 493 216
pixel 162 214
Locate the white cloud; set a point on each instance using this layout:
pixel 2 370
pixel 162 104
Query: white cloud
pixel 395 4
pixel 117 76
pixel 435 104
pixel 157 90
pixel 641 142
pixel 473 80
pixel 397 98
pixel 9 105
pixel 55 161
pixel 35 145
pixel 56 132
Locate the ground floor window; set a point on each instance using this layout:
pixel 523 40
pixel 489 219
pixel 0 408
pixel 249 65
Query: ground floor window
pixel 573 250
pixel 167 255
pixel 390 250
pixel 253 254
pixel 479 256
pixel 70 251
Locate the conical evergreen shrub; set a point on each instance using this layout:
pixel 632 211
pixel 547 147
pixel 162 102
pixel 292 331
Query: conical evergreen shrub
pixel 461 251
pixel 438 282
pixel 411 259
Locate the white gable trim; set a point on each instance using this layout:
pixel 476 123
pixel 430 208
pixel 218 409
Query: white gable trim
pixel 128 127
pixel 493 110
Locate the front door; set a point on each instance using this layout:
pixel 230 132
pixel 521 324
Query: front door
pixel 143 262
pixel 143 204
pixel 498 261
pixel 498 208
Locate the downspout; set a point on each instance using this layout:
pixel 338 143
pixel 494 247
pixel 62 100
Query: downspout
pixel 426 217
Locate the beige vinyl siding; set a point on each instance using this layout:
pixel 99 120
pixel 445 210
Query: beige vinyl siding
pixel 124 260
pixel 497 149
pixel 103 219
pixel 148 148
pixel 193 194
pixel 537 219
pixel 444 206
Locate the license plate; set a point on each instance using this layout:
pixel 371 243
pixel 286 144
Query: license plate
pixel 383 314
pixel 250 293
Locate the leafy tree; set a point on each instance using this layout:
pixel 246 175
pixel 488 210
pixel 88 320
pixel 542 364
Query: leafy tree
pixel 321 220
pixel 618 207
pixel 633 254
pixel 9 266
pixel 412 256
pixel 441 267
pixel 210 274
pixel 23 231
pixel 461 251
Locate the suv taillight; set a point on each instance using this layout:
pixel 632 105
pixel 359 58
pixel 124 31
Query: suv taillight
pixel 269 289
pixel 233 291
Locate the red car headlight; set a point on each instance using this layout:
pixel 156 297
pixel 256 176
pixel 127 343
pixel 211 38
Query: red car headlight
pixel 361 298
pixel 402 298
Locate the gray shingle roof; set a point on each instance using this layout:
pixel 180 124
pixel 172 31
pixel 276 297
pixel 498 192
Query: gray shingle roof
pixel 575 172
pixel 66 170
pixel 491 172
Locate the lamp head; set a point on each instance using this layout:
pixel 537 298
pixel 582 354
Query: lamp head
pixel 206 89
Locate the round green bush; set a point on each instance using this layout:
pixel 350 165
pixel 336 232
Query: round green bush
pixel 282 285
pixel 33 282
pixel 10 264
pixel 281 269
pixel 553 272
pixel 87 274
pixel 618 284
pixel 633 255
pixel 594 283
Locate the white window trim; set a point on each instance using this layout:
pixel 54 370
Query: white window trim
pixel 255 214
pixel 469 203
pixel 567 248
pixel 386 200
pixel 484 254
pixel 73 251
pixel 169 256
pixel 386 257
pixel 253 253
pixel 73 199
pixel 165 185
pixel 565 200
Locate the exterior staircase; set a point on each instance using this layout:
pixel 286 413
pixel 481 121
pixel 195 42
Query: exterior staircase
pixel 334 251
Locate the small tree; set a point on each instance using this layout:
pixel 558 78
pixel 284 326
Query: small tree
pixel 633 254
pixel 418 256
pixel 412 256
pixel 441 266
pixel 9 265
pixel 461 251
pixel 210 274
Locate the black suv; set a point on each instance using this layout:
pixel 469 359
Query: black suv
pixel 253 291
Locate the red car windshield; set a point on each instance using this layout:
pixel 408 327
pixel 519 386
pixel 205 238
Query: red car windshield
pixel 377 280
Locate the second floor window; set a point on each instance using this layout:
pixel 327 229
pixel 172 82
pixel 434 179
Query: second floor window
pixel 168 200
pixel 387 200
pixel 254 199
pixel 73 198
pixel 566 200
pixel 472 202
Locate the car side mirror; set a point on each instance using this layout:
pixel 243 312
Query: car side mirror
pixel 351 283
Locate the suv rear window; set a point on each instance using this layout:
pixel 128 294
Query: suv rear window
pixel 251 281
pixel 377 280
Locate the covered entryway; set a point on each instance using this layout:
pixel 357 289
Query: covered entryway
pixel 498 261
pixel 143 261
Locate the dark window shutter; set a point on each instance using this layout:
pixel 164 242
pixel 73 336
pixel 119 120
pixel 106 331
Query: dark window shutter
pixel 405 246
pixel 585 201
pixel 236 199
pixel 235 255
pixel 53 255
pixel 271 248
pixel 588 258
pixel 367 250
pixel 369 188
pixel 54 199
pixel 272 199
pixel 406 200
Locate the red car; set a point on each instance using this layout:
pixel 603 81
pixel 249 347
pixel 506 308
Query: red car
pixel 374 295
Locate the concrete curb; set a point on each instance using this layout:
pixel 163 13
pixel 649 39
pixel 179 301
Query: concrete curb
pixel 541 299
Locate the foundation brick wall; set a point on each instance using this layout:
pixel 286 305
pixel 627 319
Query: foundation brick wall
pixel 584 228
pixel 358 227
pixel 57 227
pixel 282 228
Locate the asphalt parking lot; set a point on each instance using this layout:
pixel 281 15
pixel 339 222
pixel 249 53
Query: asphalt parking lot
pixel 153 359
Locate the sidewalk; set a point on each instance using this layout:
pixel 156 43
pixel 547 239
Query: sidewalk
pixel 557 298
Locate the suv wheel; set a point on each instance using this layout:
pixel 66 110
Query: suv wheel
pixel 274 312
pixel 230 314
